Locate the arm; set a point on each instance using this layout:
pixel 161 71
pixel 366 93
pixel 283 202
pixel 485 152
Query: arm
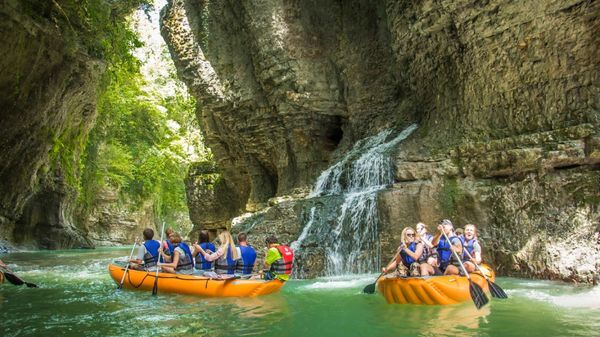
pixel 477 253
pixel 416 254
pixel 457 246
pixel 197 248
pixel 165 257
pixel 214 256
pixel 175 260
pixel 392 264
pixel 426 242
pixel 272 256
pixel 436 239
pixel 140 255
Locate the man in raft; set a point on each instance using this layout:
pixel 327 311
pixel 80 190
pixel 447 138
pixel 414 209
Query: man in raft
pixel 147 255
pixel 245 264
pixel 449 265
pixel 279 260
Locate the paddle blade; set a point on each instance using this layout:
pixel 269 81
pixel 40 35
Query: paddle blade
pixel 496 291
pixel 14 279
pixel 477 294
pixel 155 288
pixel 31 285
pixel 369 289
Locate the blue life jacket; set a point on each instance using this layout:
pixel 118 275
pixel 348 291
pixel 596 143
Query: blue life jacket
pixel 185 262
pixel 201 262
pixel 171 248
pixel 245 265
pixel 468 246
pixel 151 255
pixel 228 268
pixel 407 259
pixel 443 249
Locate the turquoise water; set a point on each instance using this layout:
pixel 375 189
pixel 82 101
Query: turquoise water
pixel 77 297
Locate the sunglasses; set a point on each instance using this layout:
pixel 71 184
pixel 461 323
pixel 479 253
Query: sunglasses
pixel 410 234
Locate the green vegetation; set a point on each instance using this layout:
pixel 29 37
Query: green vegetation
pixel 143 139
pixel 449 197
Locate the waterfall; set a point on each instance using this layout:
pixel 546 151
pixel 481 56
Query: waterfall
pixel 296 244
pixel 353 244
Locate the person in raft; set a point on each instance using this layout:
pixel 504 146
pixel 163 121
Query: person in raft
pixel 425 238
pixel 147 255
pixel 245 264
pixel 471 245
pixel 279 260
pixel 180 261
pixel 226 255
pixel 167 245
pixel 5 267
pixel 410 251
pixel 448 263
pixel 202 265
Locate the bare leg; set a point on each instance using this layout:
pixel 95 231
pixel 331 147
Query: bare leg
pixel 469 266
pixel 168 270
pixel 426 269
pixel 451 270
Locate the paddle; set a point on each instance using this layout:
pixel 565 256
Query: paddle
pixel 155 288
pixel 14 279
pixel 495 289
pixel 477 294
pixel 127 267
pixel 370 288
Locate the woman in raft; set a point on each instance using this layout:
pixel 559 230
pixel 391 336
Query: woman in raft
pixel 409 253
pixel 226 255
pixel 181 261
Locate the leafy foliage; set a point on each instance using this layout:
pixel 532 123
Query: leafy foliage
pixel 142 140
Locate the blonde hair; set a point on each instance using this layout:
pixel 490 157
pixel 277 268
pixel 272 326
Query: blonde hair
pixel 404 238
pixel 227 242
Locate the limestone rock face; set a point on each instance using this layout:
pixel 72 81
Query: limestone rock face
pixel 212 200
pixel 48 84
pixel 505 94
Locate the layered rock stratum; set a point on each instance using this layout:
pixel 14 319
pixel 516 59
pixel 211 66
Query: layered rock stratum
pixel 505 93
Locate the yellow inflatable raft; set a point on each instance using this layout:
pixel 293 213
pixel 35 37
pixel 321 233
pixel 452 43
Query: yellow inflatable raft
pixel 432 290
pixel 193 285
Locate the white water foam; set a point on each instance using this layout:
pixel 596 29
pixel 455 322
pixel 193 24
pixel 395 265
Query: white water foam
pixel 341 282
pixel 589 299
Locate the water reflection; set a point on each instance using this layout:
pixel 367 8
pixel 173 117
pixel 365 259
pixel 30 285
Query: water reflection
pixel 423 320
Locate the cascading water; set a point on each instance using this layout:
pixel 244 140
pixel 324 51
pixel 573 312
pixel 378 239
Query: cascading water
pixel 352 246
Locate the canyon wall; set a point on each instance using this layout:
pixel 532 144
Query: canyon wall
pixel 505 94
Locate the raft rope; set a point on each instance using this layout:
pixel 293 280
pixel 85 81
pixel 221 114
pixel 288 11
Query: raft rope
pixel 176 277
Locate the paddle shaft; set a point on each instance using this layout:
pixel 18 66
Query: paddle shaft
pixel 127 267
pixel 382 273
pixel 155 288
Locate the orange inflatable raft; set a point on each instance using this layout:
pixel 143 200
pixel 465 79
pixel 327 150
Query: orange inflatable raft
pixel 432 290
pixel 193 285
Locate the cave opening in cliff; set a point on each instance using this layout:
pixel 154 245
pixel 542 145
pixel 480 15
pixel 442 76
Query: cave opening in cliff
pixel 333 134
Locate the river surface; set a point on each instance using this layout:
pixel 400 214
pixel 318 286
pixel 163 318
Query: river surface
pixel 77 297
